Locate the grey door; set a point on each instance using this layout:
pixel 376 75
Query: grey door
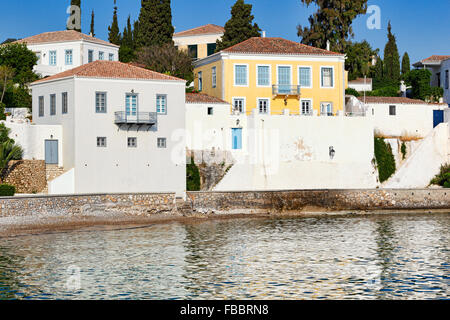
pixel 51 151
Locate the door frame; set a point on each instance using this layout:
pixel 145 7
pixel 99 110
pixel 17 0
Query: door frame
pixel 57 150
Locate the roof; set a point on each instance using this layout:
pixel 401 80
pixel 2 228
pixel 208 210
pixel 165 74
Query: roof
pixel 433 60
pixel 395 100
pixel 361 81
pixel 110 70
pixel 62 36
pixel 206 29
pixel 436 58
pixel 277 46
pixel 203 98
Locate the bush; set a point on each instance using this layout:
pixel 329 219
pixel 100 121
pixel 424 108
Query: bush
pixel 7 190
pixel 352 92
pixel 192 176
pixel 385 159
pixel 403 150
pixel 443 177
pixel 384 92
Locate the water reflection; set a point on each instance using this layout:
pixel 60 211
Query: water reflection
pixel 384 257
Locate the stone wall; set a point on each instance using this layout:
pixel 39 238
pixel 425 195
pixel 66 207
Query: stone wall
pixel 28 176
pixel 228 202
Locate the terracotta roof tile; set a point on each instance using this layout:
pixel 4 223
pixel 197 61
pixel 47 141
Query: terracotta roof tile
pixel 396 100
pixel 436 58
pixel 110 70
pixel 206 29
pixel 277 46
pixel 203 98
pixel 62 36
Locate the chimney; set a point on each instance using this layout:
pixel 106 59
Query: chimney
pixel 328 45
pixel 263 34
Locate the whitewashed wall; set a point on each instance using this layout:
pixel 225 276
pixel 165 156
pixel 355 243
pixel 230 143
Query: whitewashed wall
pixel 360 87
pixel 445 66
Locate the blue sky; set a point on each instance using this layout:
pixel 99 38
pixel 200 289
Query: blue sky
pixel 421 26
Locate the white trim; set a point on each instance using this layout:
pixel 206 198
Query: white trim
pixel 234 74
pixel 333 111
pixel 268 105
pixel 282 57
pixel 311 78
pixel 334 77
pixel 244 111
pixel 270 75
pixel 284 65
pixel 312 105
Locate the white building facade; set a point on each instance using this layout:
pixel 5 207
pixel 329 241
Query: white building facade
pixel 122 129
pixel 64 50
pixel 439 65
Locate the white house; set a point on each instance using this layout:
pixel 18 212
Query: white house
pixel 199 42
pixel 122 129
pixel 398 116
pixel 361 84
pixel 440 68
pixel 63 50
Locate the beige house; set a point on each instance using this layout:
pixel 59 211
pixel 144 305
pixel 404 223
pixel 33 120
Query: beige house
pixel 199 42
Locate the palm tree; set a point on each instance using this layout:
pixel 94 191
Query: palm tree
pixel 8 151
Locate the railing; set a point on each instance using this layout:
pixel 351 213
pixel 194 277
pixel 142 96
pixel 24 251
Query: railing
pixel 285 90
pixel 123 117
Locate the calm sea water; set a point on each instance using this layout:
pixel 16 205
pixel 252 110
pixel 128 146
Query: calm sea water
pixel 383 257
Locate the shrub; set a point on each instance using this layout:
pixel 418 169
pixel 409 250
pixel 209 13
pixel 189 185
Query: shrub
pixel 385 159
pixel 403 150
pixel 443 177
pixel 384 92
pixel 352 92
pixel 7 190
pixel 192 177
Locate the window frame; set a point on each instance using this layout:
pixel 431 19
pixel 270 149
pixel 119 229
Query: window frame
pixel 189 50
pixel 111 56
pixel 214 77
pixel 97 110
pixel 257 76
pixel 208 46
pixel 332 77
pixel 310 100
pixel 64 103
pixel 161 146
pixel 244 105
pixel 53 104
pixel 392 110
pixel 101 55
pixel 132 139
pixel 41 104
pixel 310 77
pixel 327 113
pixel 200 81
pixel 52 53
pixel 90 55
pixel 66 55
pixel 209 109
pixel 446 80
pixel 258 100
pixel 166 105
pixel 247 74
pixel 99 145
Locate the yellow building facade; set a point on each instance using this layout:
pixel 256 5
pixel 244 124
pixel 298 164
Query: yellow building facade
pixel 272 75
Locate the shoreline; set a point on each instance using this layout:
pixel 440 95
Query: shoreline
pixel 11 227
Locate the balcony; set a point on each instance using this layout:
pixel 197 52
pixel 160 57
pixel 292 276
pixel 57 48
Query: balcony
pixel 139 118
pixel 285 90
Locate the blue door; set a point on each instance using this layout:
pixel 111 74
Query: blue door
pixel 438 117
pixel 51 151
pixel 237 138
pixel 284 80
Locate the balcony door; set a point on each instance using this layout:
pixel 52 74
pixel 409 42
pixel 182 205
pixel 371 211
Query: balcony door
pixel 131 106
pixel 284 79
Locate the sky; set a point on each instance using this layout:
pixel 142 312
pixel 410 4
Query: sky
pixel 422 27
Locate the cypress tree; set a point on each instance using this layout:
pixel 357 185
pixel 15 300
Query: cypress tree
pixel 114 33
pixel 406 64
pixel 155 23
pixel 240 27
pixel 78 4
pixel 127 35
pixel 391 57
pixel 92 24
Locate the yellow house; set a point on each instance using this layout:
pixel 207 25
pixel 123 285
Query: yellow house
pixel 199 42
pixel 275 74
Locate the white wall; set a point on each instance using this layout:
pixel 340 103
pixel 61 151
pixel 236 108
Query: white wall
pixel 360 87
pixel 198 39
pixel 292 152
pixel 445 66
pixel 64 184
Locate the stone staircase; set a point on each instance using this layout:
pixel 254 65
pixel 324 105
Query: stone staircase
pixel 52 172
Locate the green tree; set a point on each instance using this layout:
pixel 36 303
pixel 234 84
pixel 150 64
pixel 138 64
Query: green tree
pixel 240 27
pixel 8 151
pixel 391 58
pixel 359 59
pixel 127 48
pixel 331 22
pixel 113 30
pixel 78 4
pixel 406 64
pixel 155 23
pixel 92 24
pixel 419 80
pixel 6 76
pixel 21 59
pixel 385 159
pixel 167 59
pixel 193 181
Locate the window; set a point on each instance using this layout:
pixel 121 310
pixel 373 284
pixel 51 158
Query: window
pixel 41 106
pixel 214 77
pixel 240 75
pixel 132 142
pixel 239 105
pixel 161 104
pixel 446 80
pixel 326 109
pixel 263 76
pixel 162 143
pixel 210 111
pixel 90 56
pixel 39 57
pixel 52 104
pixel 100 102
pixel 438 76
pixel 52 57
pixel 263 106
pixel 392 110
pixel 131 104
pixel 284 79
pixel 211 48
pixel 192 51
pixel 101 55
pixel 306 107
pixel 111 57
pixel 200 81
pixel 64 102
pixel 69 57
pixel 304 77
pixel 101 142
pixel 327 78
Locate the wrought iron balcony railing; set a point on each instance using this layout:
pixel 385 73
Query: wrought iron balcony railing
pixel 123 117
pixel 285 90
